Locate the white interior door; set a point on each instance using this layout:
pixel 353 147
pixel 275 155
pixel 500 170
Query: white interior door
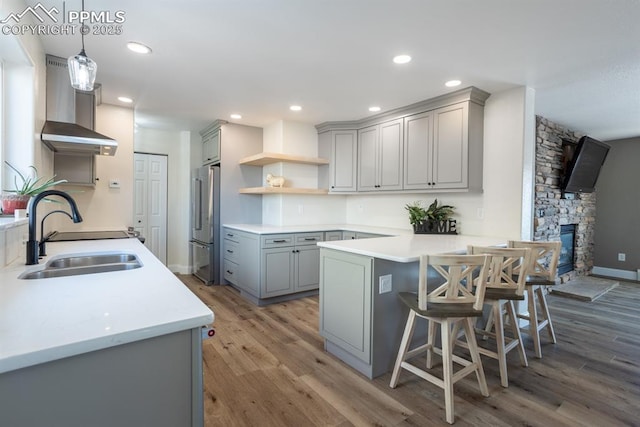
pixel 150 201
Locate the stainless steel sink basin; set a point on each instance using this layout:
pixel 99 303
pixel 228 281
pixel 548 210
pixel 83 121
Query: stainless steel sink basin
pixel 75 265
pixel 91 260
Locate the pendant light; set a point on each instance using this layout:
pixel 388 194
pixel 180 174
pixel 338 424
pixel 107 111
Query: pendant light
pixel 82 69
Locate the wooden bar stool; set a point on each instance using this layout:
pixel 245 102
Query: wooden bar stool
pixel 503 287
pixel 540 274
pixel 452 303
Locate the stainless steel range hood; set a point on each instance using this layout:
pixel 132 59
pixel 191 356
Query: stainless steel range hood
pixel 71 115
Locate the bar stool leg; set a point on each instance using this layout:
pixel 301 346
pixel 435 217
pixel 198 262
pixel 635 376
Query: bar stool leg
pixel 533 320
pixel 545 310
pixel 475 355
pixel 513 321
pixel 447 368
pixel 404 347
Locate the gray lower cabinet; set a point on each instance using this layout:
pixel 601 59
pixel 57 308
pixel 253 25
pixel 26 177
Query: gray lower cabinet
pixel 361 325
pixel 152 382
pixel 274 265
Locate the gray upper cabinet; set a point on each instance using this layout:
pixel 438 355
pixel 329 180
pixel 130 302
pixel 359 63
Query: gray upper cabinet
pixel 211 146
pixel 342 169
pixel 434 145
pixel 380 156
pixel 438 155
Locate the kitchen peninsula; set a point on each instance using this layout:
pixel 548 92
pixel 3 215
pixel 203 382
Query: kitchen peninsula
pixel 115 348
pixel 361 317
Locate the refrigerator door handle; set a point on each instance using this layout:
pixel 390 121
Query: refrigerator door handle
pixel 196 189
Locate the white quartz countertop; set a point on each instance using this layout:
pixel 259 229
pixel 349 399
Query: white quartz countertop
pixel 279 229
pixel 47 319
pixel 409 247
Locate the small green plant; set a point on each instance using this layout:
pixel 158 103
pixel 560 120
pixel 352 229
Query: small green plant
pixel 30 184
pixel 439 213
pixel 417 213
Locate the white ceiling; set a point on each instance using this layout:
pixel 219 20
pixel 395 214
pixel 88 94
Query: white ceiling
pixel 333 57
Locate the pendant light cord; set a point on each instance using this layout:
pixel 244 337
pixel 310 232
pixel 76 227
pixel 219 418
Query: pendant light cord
pixel 82 29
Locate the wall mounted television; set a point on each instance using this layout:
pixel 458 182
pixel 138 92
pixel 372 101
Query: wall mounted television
pixel 583 168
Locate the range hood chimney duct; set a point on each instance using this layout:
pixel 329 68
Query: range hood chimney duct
pixel 71 115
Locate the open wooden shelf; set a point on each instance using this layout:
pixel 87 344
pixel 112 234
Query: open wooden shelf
pixel 262 159
pixel 283 190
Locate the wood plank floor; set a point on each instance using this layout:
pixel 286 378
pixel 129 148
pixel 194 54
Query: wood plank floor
pixel 266 366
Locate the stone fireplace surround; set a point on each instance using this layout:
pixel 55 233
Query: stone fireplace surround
pixel 552 209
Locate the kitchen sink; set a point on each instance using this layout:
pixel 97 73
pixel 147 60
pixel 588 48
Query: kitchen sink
pixel 91 260
pixel 75 265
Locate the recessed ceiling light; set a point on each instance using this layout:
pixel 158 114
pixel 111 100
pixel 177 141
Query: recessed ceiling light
pixel 125 99
pixel 401 59
pixel 453 83
pixel 374 109
pixel 236 116
pixel 295 108
pixel 138 47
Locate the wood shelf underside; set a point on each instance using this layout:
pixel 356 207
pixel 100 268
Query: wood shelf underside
pixel 283 190
pixel 262 159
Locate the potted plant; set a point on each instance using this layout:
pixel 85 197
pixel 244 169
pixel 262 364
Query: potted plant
pixel 435 219
pixel 25 186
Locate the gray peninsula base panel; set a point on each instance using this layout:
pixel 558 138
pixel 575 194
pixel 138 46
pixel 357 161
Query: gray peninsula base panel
pixel 154 382
pixel 362 326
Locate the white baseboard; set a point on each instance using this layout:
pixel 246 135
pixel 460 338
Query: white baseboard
pixel 180 269
pixel 614 272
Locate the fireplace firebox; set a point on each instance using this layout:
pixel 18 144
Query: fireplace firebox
pixel 567 253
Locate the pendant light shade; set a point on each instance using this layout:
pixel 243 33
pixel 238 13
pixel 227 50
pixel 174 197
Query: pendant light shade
pixel 82 71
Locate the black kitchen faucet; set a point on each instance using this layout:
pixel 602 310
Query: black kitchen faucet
pixel 32 244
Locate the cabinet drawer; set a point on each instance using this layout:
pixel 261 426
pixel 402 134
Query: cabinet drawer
pixel 277 240
pixel 231 250
pixel 230 271
pixel 308 238
pixel 332 235
pixel 230 235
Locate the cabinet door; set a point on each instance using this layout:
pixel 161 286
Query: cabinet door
pixel 277 272
pixel 307 268
pixel 451 147
pixel 345 301
pixel 368 158
pixel 211 148
pixel 418 152
pixel 343 160
pixel 390 155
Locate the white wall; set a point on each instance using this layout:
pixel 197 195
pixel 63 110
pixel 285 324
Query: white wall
pixel 177 146
pixel 297 139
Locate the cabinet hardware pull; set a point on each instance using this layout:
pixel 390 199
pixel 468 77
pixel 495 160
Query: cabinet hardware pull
pixel 310 239
pixel 230 272
pixel 279 241
pixel 230 251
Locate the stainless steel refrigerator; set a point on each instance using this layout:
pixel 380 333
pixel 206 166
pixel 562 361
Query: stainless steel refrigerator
pixel 205 223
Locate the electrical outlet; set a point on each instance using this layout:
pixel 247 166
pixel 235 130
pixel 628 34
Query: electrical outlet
pixel 385 284
pixel 300 209
pixel 622 257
